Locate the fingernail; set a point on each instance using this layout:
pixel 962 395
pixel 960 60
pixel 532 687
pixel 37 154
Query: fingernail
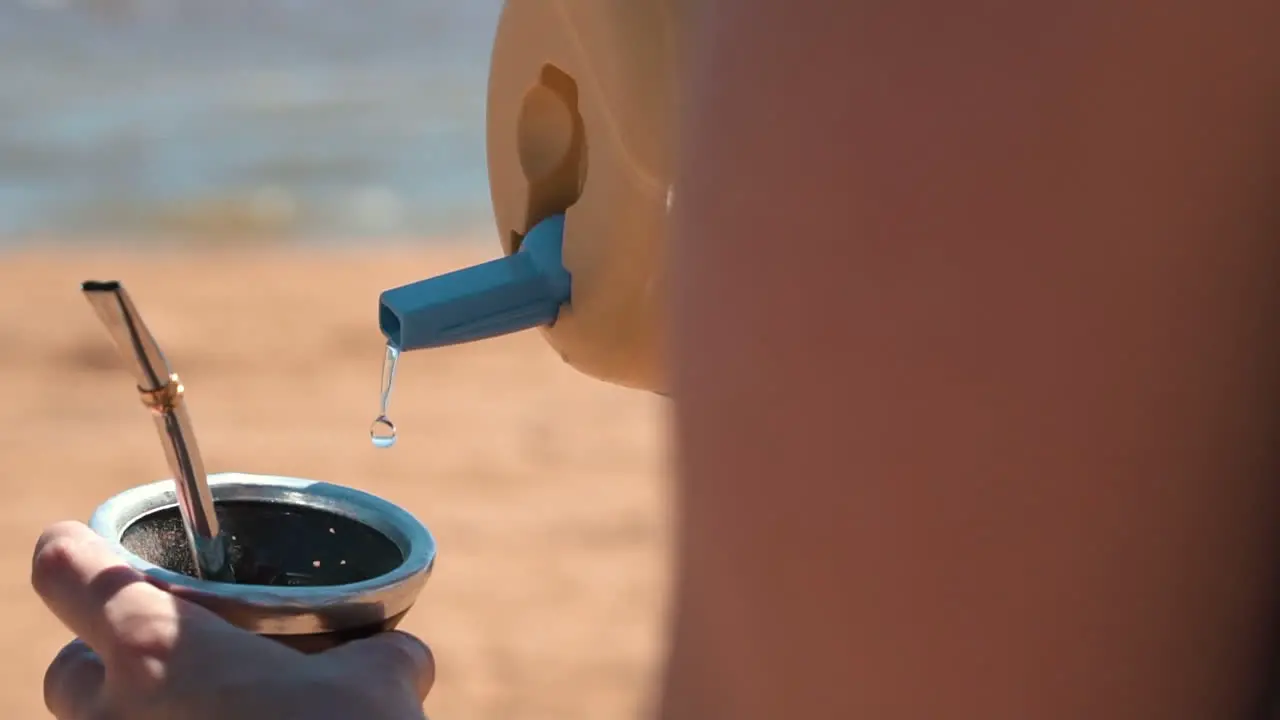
pixel 422 665
pixel 418 649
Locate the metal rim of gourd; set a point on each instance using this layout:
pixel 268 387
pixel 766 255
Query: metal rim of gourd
pixel 285 610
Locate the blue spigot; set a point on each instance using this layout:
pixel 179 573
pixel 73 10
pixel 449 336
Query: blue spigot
pixel 521 291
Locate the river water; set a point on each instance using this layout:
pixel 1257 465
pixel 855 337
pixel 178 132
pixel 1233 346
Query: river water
pixel 312 120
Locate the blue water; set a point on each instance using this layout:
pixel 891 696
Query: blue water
pixel 314 119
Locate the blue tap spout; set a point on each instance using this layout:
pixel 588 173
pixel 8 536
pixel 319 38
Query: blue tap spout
pixel 517 292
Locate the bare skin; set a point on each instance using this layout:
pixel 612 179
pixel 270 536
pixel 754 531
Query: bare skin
pixel 977 374
pixel 142 654
pixel 976 359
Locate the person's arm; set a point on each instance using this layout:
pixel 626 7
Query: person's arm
pixel 977 361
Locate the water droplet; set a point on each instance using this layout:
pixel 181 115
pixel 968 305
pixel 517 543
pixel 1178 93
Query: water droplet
pixel 383 431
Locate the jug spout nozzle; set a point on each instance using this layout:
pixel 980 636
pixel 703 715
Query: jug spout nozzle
pixel 517 292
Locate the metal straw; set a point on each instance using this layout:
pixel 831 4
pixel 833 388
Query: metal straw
pixel 161 391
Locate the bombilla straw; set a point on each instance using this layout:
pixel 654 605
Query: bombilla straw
pixel 161 391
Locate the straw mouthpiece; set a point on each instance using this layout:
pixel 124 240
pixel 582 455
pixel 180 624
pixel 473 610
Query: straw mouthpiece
pixel 161 392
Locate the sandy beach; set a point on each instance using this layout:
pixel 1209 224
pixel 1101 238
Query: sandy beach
pixel 546 490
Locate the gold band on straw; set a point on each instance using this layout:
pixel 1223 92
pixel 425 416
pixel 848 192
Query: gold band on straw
pixel 163 398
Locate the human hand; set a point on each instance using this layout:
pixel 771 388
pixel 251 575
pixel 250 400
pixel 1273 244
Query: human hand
pixel 143 654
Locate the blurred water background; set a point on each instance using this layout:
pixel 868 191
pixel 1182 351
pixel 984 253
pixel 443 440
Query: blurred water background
pixel 301 120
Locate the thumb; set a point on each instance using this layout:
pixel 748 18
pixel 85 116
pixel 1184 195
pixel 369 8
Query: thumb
pixel 393 654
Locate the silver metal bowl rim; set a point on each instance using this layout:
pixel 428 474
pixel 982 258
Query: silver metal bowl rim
pixel 114 516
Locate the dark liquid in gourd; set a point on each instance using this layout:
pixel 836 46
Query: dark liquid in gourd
pixel 272 544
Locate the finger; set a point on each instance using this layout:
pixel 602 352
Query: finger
pixel 395 655
pixel 73 682
pixel 98 597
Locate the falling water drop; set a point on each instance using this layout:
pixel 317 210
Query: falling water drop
pixel 383 431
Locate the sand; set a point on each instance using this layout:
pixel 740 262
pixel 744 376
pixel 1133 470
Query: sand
pixel 546 490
